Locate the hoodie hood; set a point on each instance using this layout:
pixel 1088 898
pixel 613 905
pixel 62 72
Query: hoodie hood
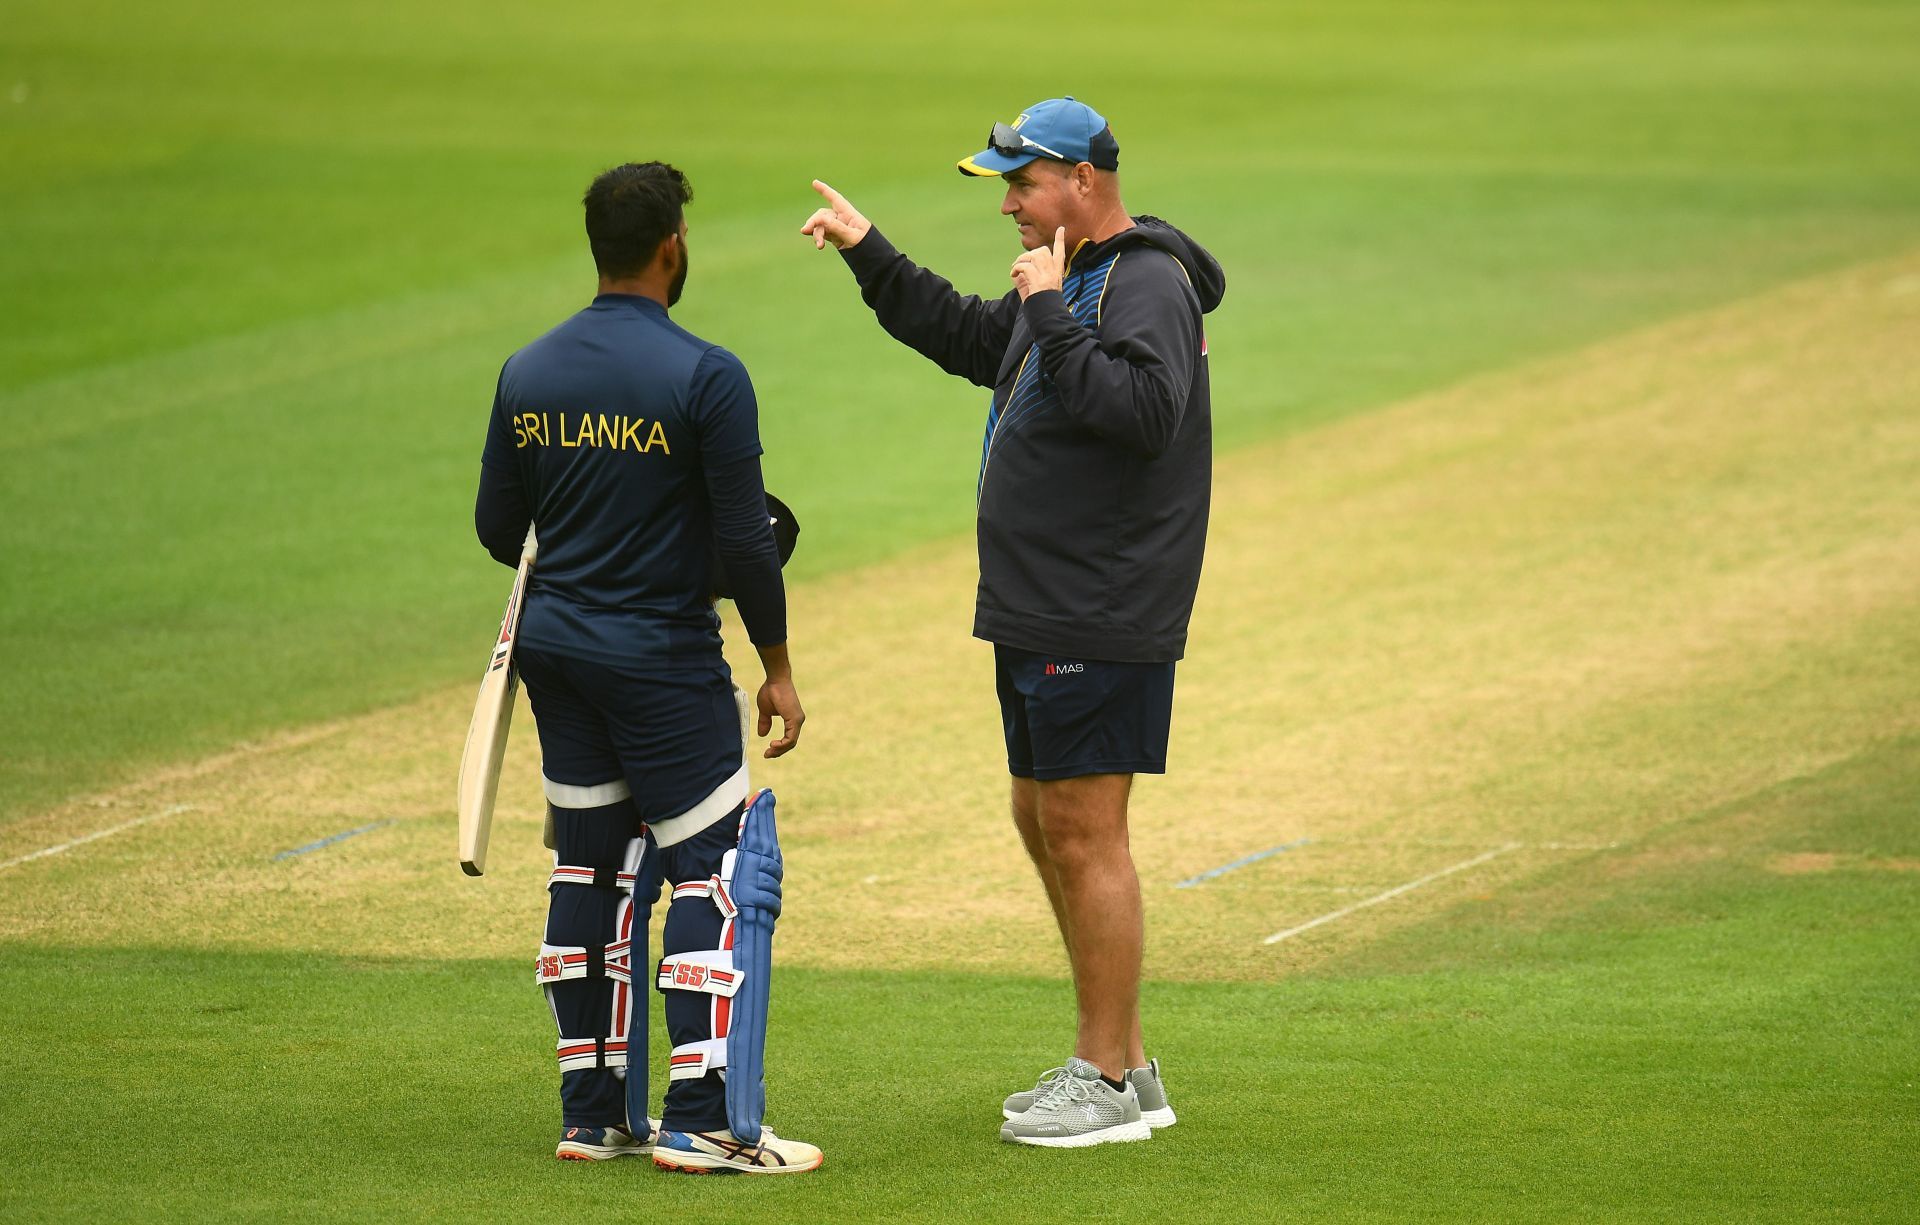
pixel 1209 281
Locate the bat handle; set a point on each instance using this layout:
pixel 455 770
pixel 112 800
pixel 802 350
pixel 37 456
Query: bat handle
pixel 530 549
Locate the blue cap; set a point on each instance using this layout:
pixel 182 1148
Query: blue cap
pixel 1058 128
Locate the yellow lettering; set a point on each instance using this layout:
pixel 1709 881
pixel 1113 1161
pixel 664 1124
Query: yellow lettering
pixel 616 431
pixel 519 433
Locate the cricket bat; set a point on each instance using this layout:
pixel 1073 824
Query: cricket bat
pixel 487 734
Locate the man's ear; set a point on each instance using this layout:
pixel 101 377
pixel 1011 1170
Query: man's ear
pixel 666 254
pixel 1083 176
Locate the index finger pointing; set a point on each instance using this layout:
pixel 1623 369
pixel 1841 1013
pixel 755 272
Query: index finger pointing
pixel 833 197
pixel 1060 244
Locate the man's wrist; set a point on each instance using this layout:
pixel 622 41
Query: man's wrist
pixel 773 658
pixel 873 248
pixel 1045 309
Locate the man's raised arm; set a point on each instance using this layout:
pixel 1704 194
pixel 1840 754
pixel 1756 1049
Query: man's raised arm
pixel 961 334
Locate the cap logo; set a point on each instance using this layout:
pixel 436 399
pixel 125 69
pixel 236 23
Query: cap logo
pixel 1018 122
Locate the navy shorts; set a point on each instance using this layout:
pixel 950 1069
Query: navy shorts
pixel 1066 716
pixel 673 737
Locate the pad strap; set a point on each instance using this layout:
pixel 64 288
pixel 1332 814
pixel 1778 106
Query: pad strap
pixel 708 970
pixel 558 962
pixel 578 1053
pixel 714 887
pixel 692 1060
pixel 593 878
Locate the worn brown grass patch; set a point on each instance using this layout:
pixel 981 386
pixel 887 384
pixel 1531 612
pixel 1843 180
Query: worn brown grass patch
pixel 1570 604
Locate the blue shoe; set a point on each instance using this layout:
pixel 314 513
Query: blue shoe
pixel 601 1143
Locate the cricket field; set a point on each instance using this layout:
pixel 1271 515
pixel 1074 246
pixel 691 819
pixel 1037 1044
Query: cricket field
pixel 1542 833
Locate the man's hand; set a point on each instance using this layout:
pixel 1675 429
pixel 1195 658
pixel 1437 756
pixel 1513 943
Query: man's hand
pixel 778 697
pixel 840 224
pixel 1041 268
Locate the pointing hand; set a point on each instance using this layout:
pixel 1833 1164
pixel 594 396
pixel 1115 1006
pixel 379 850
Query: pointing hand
pixel 840 223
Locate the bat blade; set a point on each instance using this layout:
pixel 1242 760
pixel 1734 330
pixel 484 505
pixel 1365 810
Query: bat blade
pixel 487 733
pixel 480 766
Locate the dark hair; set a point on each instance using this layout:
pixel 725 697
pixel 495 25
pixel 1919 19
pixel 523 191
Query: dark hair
pixel 631 210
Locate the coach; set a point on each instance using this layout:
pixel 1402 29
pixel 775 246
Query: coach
pixel 1095 473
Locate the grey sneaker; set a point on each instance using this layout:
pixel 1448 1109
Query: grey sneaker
pixel 1146 1082
pixel 1021 1102
pixel 1153 1095
pixel 1077 1110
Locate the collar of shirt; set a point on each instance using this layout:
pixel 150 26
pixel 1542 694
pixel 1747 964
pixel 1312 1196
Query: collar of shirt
pixel 628 299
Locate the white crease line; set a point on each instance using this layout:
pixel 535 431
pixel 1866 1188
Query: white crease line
pixel 1394 892
pixel 173 811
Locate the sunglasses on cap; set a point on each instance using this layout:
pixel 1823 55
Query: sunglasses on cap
pixel 1005 140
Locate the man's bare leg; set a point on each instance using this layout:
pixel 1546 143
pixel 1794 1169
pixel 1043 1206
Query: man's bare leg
pixel 1026 819
pixel 1136 1041
pixel 1083 824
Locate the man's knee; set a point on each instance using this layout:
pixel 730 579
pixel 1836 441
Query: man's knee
pixel 1084 820
pixel 1026 800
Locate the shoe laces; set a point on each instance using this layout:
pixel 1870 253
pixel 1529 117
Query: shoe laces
pixel 1063 1090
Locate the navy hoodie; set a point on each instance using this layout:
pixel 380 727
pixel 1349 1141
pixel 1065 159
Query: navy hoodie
pixel 1097 462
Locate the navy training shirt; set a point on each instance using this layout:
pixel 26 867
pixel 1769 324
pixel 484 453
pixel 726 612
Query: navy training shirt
pixel 612 426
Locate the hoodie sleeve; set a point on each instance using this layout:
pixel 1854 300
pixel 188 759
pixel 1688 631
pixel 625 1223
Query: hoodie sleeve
pixel 1128 381
pixel 966 336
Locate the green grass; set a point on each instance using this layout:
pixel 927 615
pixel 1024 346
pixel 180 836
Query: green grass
pixel 263 265
pixel 1702 1039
